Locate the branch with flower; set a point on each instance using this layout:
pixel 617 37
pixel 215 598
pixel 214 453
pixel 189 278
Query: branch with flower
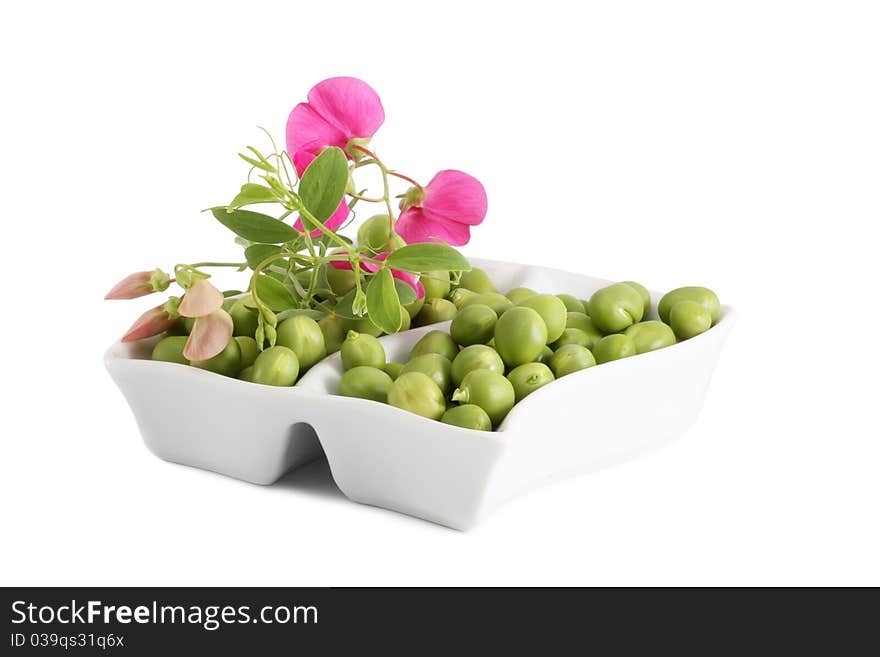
pixel 308 265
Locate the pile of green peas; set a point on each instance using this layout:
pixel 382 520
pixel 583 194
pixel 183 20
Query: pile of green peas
pixel 300 343
pixel 500 348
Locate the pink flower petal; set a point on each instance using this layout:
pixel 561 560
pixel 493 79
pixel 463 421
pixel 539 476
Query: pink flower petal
pixel 301 160
pixel 455 196
pixel 152 322
pixel 210 335
pixel 415 225
pixel 200 300
pixel 339 109
pixel 308 131
pixel 333 222
pixel 132 286
pixel 348 104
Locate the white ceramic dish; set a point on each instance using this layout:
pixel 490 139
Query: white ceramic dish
pixel 386 457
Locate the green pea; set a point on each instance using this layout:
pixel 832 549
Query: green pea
pixel 170 349
pixel 477 280
pixel 518 294
pixel 572 304
pixel 333 329
pixel 490 391
pixel 475 357
pixel 520 335
pixel 643 292
pixel 586 303
pixel 438 367
pixel 435 311
pixel 276 366
pixel 414 307
pixel 650 335
pixel 227 362
pixel 435 342
pixel 374 233
pixel 362 349
pixel 365 383
pixel 363 325
pixel 341 281
pixel 613 347
pixel 701 295
pixel 304 336
pixel 689 318
pixel 615 307
pixel 393 370
pixel 459 294
pixel 551 310
pixel 475 324
pixel 244 319
pixel 405 320
pixel 571 358
pixel 497 302
pixel 468 416
pixel 417 393
pixel 249 350
pixel 529 377
pixel 545 355
pixel 437 285
pixel 573 336
pixel 585 324
pixel 247 374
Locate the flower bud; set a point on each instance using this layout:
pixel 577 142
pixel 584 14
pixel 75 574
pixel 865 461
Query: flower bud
pixel 152 322
pixel 139 284
pixel 411 197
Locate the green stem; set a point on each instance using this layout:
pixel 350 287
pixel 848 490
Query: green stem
pixel 240 265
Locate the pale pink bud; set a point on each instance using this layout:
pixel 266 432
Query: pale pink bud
pixel 152 322
pixel 210 335
pixel 139 284
pixel 201 299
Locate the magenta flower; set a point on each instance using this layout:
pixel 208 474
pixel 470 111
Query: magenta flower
pixel 301 160
pixel 444 210
pixel 410 279
pixel 338 110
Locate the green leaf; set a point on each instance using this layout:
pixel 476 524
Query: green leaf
pixel 323 183
pixel 253 193
pixel 383 306
pixel 254 226
pixel 274 294
pixel 428 256
pixel 231 293
pixel 256 253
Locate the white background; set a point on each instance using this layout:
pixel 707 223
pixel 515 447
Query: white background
pixel 735 145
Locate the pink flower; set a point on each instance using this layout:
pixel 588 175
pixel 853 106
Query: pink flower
pixel 410 279
pixel 301 160
pixel 338 110
pixel 139 284
pixel 210 335
pixel 444 210
pixel 152 322
pixel 200 299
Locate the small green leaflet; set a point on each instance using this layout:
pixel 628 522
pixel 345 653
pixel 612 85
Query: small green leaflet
pixel 274 294
pixel 256 253
pixel 254 227
pixel 427 257
pixel 323 183
pixel 405 294
pixel 253 193
pixel 383 305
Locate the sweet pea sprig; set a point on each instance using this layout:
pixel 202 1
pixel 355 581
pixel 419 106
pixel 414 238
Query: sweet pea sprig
pixel 310 266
